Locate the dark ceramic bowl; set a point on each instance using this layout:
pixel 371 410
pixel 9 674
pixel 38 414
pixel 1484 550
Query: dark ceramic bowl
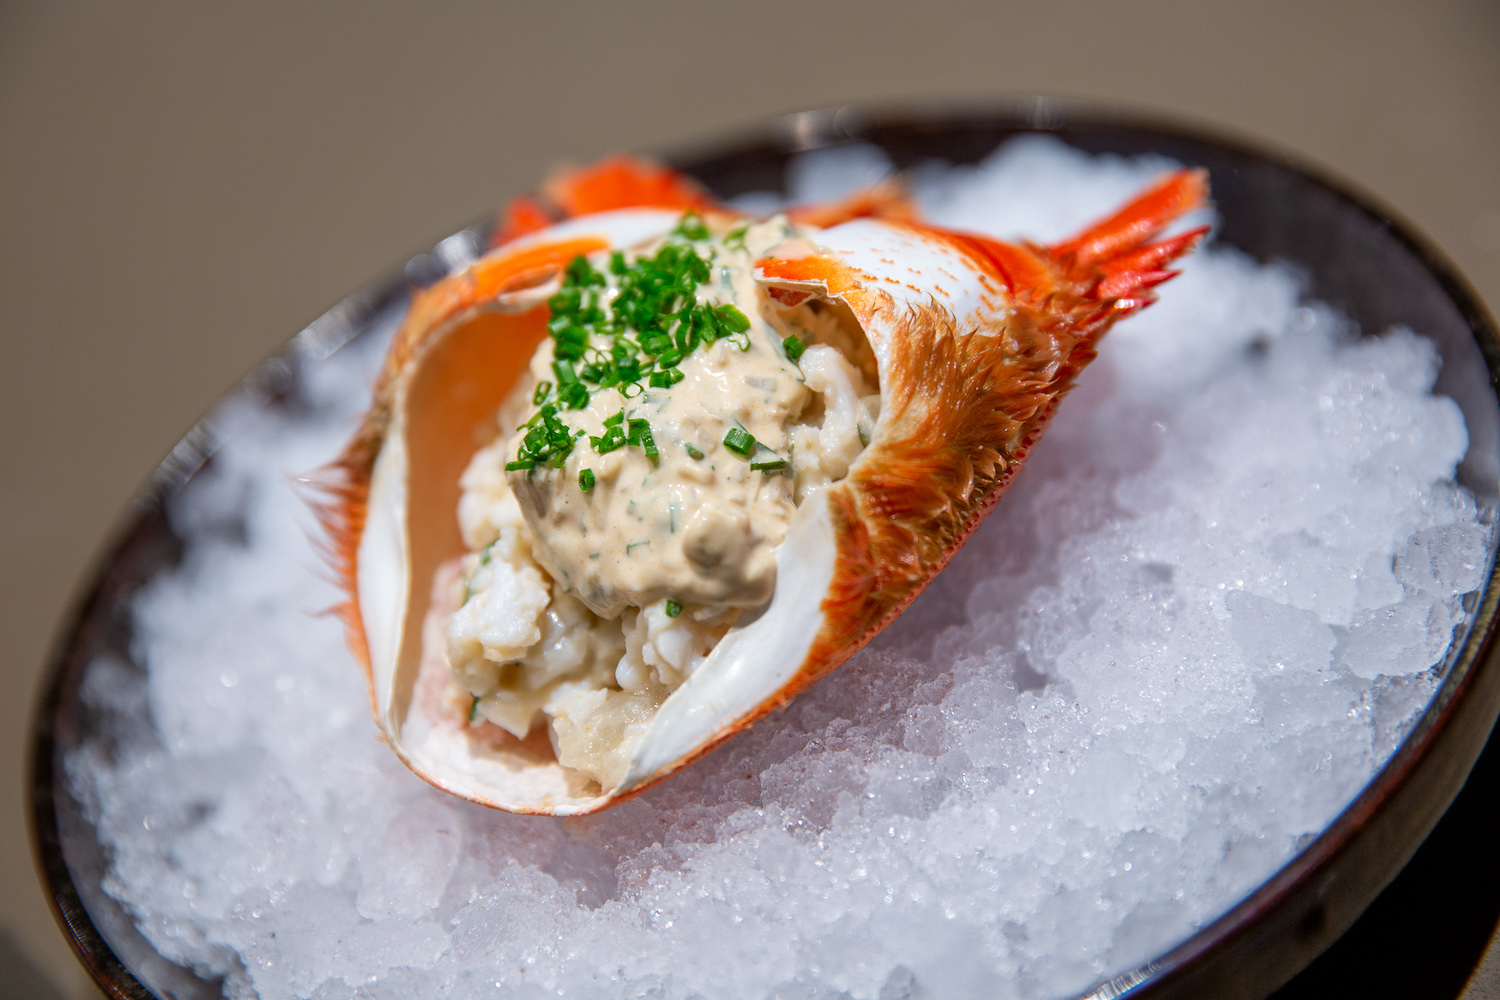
pixel 1355 256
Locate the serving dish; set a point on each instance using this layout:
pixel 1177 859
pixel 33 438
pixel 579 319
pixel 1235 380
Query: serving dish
pixel 1355 256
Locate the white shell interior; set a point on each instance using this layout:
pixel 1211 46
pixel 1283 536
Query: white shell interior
pixel 755 660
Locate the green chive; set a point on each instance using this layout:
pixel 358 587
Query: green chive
pixel 692 227
pixel 694 452
pixel 673 610
pixel 739 441
pixel 519 465
pixel 474 710
pixel 640 434
pixel 769 465
pixel 793 347
pixel 731 317
pixel 585 479
pixel 626 326
pixel 664 379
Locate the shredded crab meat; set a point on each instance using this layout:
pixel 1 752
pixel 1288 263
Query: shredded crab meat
pixel 824 451
pixel 528 641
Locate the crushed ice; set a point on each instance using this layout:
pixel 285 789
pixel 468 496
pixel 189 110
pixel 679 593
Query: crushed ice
pixel 1191 633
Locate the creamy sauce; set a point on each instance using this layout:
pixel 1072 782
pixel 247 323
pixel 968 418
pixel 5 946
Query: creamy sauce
pixel 588 607
pixel 696 525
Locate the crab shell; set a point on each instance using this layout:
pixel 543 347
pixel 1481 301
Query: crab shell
pixel 975 342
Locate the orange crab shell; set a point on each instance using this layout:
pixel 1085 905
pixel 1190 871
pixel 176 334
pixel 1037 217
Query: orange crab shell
pixel 965 397
pixel 975 340
pixel 461 347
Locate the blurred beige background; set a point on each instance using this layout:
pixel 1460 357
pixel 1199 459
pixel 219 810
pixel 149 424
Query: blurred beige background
pixel 184 187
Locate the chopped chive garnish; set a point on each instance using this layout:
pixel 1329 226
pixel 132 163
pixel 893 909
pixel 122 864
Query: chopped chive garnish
pixel 673 610
pixel 520 465
pixel 547 439
pixel 474 711
pixel 611 439
pixel 625 325
pixel 692 227
pixel 793 347
pixel 585 479
pixel 640 435
pixel 769 465
pixel 731 317
pixel 694 452
pixel 739 441
pixel 663 379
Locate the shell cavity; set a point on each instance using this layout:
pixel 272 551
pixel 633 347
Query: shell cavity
pixel 971 343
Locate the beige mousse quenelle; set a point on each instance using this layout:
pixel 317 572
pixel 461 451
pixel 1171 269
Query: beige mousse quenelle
pixel 650 467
